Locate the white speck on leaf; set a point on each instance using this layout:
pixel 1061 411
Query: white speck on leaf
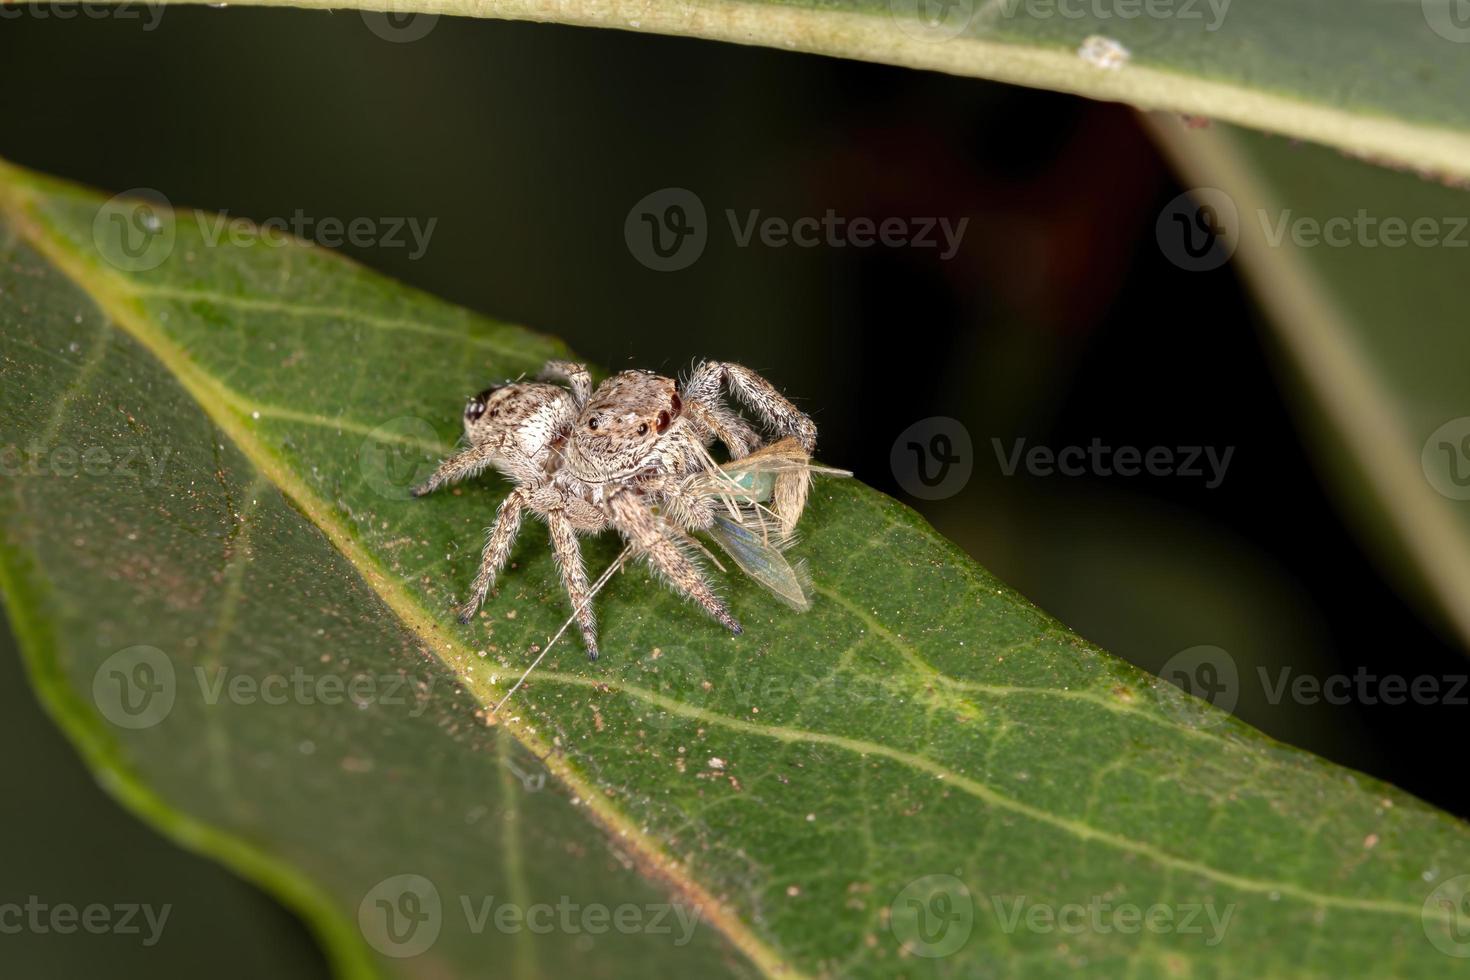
pixel 1103 52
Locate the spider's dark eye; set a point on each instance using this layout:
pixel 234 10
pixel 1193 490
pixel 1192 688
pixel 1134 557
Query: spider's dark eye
pixel 592 424
pixel 663 421
pixel 476 407
pixel 643 429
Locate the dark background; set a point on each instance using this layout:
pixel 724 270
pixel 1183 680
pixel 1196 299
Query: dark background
pixel 1058 321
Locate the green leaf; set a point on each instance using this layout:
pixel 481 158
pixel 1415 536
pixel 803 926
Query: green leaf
pixel 1384 80
pixel 1362 271
pixel 917 777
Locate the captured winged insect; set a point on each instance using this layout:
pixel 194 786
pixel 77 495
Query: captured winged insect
pixel 751 495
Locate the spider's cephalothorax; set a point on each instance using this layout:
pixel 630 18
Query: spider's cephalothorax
pixel 627 456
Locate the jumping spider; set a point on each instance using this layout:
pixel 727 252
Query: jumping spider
pixel 632 456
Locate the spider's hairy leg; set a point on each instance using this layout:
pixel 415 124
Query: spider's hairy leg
pixel 650 537
pixel 470 462
pixel 756 394
pixel 575 375
pixel 727 426
pixel 574 576
pixel 497 550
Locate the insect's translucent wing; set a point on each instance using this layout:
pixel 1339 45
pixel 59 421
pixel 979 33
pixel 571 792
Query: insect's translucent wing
pixel 757 550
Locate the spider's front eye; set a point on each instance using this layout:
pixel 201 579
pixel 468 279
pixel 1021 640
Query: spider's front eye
pixel 474 410
pixel 663 421
pixel 592 424
pixel 643 429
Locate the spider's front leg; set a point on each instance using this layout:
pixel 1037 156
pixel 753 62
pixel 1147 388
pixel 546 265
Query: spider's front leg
pixel 497 550
pixel 756 394
pixel 575 375
pixel 650 537
pixel 460 466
